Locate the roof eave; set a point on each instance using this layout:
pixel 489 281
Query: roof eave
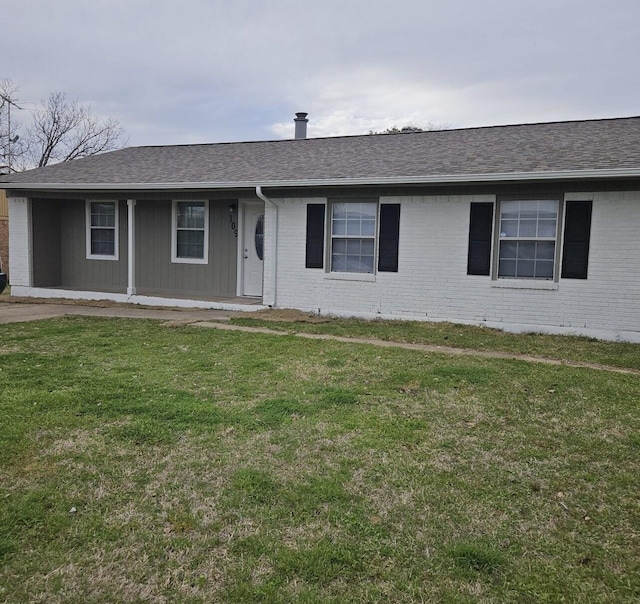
pixel 615 173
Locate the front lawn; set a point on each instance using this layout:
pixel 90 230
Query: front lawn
pixel 145 463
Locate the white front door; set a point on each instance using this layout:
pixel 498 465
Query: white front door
pixel 252 249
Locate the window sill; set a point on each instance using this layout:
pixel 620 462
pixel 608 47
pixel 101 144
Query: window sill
pixel 350 277
pixel 189 261
pixel 97 257
pixel 524 284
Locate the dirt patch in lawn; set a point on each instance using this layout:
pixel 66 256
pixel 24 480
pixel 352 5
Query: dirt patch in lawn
pixel 287 315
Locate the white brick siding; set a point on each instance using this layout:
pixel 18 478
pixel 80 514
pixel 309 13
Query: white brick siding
pixel 270 233
pixel 432 284
pixel 20 242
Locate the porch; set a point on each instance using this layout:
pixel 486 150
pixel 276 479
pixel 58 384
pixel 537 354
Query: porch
pixel 133 251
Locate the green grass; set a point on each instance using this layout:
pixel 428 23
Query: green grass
pixel 141 463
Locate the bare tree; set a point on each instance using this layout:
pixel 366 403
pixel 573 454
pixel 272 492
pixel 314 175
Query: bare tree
pixel 63 130
pixel 60 130
pixel 13 149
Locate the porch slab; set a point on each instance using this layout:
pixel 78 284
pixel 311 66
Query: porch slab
pixel 236 304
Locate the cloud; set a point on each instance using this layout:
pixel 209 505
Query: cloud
pixel 370 99
pixel 376 99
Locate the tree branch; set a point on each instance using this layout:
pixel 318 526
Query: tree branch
pixel 63 130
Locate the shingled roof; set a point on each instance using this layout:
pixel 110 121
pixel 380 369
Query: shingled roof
pixel 608 147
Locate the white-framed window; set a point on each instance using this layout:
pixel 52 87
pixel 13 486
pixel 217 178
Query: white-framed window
pixel 353 236
pixel 527 238
pixel 102 230
pixel 190 232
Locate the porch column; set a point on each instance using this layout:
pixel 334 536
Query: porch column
pixel 131 242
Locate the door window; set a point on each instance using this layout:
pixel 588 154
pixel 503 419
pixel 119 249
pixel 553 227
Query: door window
pixel 259 236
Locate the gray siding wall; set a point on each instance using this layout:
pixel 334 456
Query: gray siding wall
pixel 156 274
pixel 90 275
pixel 46 243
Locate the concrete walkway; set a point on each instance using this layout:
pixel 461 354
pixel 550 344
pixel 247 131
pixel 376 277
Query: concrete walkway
pixel 487 354
pixel 15 312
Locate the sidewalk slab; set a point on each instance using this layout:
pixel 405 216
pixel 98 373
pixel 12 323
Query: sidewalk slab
pixel 17 313
pixel 21 312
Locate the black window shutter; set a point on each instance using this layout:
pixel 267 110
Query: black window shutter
pixel 315 235
pixel 577 232
pixel 389 237
pixel 480 229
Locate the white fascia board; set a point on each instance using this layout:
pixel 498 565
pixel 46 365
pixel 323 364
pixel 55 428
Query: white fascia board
pixel 335 182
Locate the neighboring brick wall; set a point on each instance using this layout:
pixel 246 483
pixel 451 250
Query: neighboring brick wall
pixel 4 231
pixel 432 282
pixel 4 244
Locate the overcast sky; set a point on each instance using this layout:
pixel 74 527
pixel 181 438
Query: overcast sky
pixel 186 71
